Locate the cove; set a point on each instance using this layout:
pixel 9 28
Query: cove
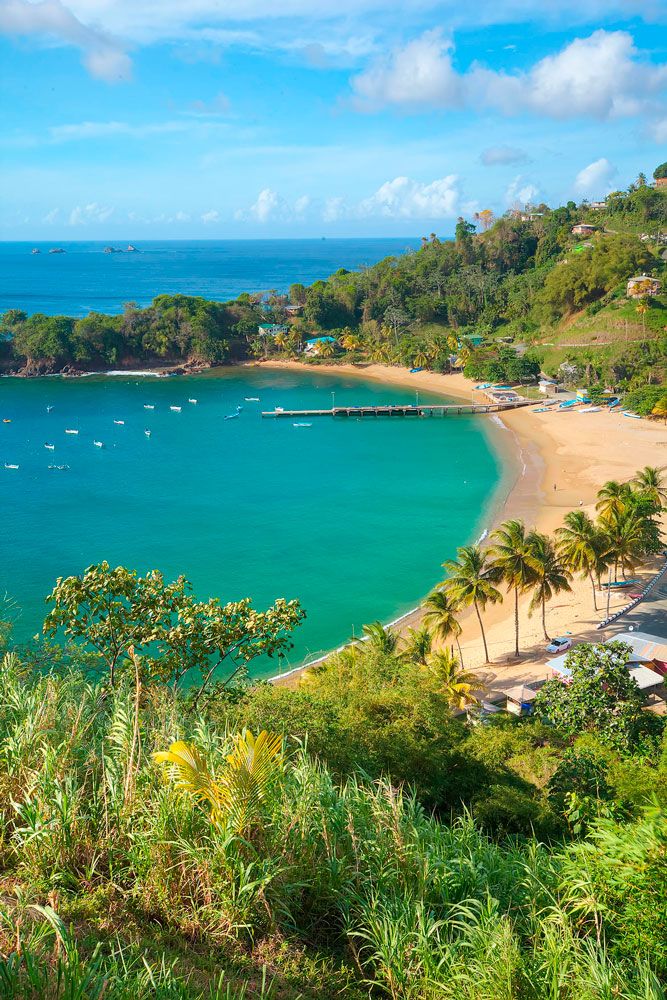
pixel 352 517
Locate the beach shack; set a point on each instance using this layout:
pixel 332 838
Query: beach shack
pixel 646 648
pixel 520 698
pixel 583 229
pixel 547 386
pixel 271 329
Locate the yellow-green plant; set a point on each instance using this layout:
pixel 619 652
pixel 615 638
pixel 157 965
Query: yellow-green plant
pixel 237 795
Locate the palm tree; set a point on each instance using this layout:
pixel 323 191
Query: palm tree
pixel 280 340
pixel 612 498
pixel 420 360
pixel 471 583
pixel 350 342
pixel 417 645
pixel 551 576
pixel 651 482
pixel 379 638
pixel 440 617
pixel 326 349
pixel 625 535
pixel 642 309
pixel 580 546
pixel 457 685
pixel 515 564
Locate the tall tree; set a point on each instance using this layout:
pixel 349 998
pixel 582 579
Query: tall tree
pixel 613 498
pixel 471 582
pixel 581 547
pixel 515 564
pixel 651 481
pixel 551 576
pixel 458 686
pixel 440 617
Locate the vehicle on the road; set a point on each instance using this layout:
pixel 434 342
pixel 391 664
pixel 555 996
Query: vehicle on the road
pixel 559 645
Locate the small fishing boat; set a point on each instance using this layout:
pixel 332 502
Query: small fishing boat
pixel 176 409
pixel 148 406
pixel 251 399
pixel 484 385
pixel 635 416
pixel 193 401
pixel 119 422
pixel 48 409
pixel 147 432
pixel 541 409
pixel 567 404
pixel 6 420
pixel 590 409
pixel 99 444
pixel 51 447
pixel 69 430
pixel 414 370
pixel 10 465
pixel 61 468
pixel 302 425
pixel 231 416
pixel 617 584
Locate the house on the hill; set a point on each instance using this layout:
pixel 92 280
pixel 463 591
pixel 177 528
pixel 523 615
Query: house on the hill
pixel 315 343
pixel 271 329
pixel 641 286
pixel 583 229
pixel 660 182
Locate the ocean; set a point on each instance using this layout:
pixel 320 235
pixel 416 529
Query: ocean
pixel 85 279
pixel 352 517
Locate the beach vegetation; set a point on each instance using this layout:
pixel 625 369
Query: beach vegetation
pixel 515 563
pixel 550 574
pixel 471 582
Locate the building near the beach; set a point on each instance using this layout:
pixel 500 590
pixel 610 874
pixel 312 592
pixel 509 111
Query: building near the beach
pixel 641 286
pixel 583 229
pixel 647 662
pixel 271 329
pixel 314 344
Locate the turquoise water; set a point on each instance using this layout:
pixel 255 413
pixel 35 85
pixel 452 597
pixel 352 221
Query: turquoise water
pixel 85 278
pixel 353 517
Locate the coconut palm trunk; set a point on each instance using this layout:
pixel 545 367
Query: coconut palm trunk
pixel 595 600
pixel 516 622
pixel 544 618
pixel 481 628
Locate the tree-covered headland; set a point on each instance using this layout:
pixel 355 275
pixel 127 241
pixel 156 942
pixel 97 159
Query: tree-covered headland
pixel 503 300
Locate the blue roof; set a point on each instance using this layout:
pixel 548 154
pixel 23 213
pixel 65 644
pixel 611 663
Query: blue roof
pixel 317 340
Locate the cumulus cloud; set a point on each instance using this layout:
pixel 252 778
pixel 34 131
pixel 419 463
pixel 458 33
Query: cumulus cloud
pixel 658 130
pixel 601 76
pixel 595 177
pixel 51 216
pixel 220 105
pixel 404 198
pixel 211 216
pixel 521 192
pixel 103 56
pixel 334 209
pixel 500 155
pixel 269 206
pixel 82 215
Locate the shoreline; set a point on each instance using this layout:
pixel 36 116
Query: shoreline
pixel 556 462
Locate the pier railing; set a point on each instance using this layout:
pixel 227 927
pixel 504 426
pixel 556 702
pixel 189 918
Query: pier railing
pixel 401 410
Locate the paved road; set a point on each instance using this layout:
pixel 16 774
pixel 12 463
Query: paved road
pixel 650 615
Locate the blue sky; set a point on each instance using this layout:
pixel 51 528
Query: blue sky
pixel 130 119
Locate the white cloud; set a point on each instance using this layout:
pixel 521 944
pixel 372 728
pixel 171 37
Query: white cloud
pixel 182 217
pixel 658 130
pixel 334 209
pixel 596 177
pixel 81 215
pixel 51 216
pixel 103 57
pixel 521 192
pixel 211 216
pixel 301 205
pixel 220 105
pixel 419 75
pixel 601 76
pixel 404 198
pixel 499 155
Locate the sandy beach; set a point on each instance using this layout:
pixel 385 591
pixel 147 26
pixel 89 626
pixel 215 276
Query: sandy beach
pixel 571 451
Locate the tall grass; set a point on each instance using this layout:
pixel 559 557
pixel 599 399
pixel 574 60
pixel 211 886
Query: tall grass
pixel 114 884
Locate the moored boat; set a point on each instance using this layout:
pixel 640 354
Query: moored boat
pixel 70 430
pixel 51 447
pixel 99 444
pixel 176 409
pixel 119 422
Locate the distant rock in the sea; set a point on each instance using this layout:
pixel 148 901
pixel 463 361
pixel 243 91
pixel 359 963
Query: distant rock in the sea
pixel 131 249
pixel 35 250
pixel 57 250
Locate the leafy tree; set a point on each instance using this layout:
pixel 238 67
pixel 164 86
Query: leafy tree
pixel 471 582
pixel 551 576
pixel 660 172
pixel 515 563
pixel 440 617
pixel 651 482
pixel 459 687
pixel 417 645
pixel 600 695
pixel 581 545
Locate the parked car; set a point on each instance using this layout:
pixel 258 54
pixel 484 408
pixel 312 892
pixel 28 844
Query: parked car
pixel 559 645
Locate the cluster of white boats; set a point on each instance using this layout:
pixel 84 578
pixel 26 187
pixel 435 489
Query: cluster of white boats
pixel 120 423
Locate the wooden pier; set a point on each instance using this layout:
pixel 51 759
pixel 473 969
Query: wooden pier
pixel 400 410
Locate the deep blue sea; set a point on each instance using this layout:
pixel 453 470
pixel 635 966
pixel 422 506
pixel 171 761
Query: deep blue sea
pixel 86 279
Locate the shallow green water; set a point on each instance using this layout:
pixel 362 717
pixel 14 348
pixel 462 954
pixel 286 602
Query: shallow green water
pixel 353 517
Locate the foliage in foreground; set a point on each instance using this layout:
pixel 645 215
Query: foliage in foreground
pixel 116 883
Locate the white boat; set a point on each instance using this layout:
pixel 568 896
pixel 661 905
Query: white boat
pixel 148 406
pixel 635 416
pixel 251 399
pixel 99 444
pixel 590 409
pixel 119 422
pixel 147 432
pixel 176 409
pixel 9 465
pixel 69 430
pixel 61 468
pixel 193 401
pixel 51 447
pixel 302 425
pixel 231 416
pixel 48 409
